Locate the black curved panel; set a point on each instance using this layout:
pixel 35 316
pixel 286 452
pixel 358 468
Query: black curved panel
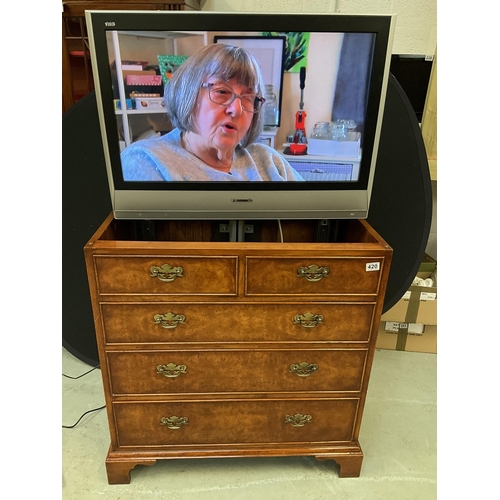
pixel 85 205
pixel 401 206
pixel 401 203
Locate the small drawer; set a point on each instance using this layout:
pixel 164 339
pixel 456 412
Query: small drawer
pixel 236 322
pixel 166 424
pixel 312 276
pixel 236 371
pixel 166 275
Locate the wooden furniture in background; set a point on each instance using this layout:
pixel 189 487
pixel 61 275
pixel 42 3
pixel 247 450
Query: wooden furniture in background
pixel 229 349
pixel 77 73
pixel 429 121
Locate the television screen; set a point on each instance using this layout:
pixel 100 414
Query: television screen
pixel 215 115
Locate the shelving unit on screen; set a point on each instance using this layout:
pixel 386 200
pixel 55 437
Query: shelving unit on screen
pixel 139 107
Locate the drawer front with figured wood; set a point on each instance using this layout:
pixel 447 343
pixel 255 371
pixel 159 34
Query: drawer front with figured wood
pixel 244 371
pixel 230 422
pixel 236 322
pixel 312 276
pixel 167 275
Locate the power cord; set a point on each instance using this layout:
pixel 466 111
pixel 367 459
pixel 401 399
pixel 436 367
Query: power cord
pixel 82 375
pixel 89 411
pixel 281 230
pixel 78 421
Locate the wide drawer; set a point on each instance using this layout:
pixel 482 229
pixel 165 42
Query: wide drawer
pixel 166 275
pixel 236 322
pixel 312 276
pixel 238 370
pixel 232 422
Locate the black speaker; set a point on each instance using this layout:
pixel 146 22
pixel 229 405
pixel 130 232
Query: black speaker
pixel 400 210
pixel 85 205
pixel 401 203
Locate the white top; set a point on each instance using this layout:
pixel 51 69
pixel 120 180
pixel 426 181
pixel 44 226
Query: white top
pixel 164 159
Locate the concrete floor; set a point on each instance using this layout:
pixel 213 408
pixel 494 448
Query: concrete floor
pixel 398 438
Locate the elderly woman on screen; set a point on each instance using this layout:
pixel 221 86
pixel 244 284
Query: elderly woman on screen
pixel 214 101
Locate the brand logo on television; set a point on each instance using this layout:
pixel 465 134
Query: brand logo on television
pixel 109 23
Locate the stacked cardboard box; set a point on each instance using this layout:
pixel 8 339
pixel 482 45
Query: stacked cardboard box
pixel 411 324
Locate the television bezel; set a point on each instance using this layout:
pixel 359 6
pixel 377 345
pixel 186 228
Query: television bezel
pixel 239 200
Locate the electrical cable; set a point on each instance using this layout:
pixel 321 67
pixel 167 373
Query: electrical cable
pixel 82 375
pixel 76 423
pixel 89 411
pixel 281 230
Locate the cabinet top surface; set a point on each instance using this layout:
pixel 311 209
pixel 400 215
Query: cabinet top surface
pixel 197 237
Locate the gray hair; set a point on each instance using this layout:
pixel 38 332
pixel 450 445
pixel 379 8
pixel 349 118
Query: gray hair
pixel 220 61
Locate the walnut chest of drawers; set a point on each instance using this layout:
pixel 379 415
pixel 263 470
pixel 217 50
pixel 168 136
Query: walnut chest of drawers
pixel 235 349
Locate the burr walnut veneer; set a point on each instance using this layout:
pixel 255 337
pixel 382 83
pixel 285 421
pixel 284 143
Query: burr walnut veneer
pixel 229 349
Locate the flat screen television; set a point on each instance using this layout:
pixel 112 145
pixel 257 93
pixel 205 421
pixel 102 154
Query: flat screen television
pixel 325 78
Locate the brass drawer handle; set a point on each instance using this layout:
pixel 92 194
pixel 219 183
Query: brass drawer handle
pixel 313 272
pixel 166 272
pixel 174 422
pixel 298 420
pixel 304 369
pixel 171 370
pixel 169 320
pixel 308 320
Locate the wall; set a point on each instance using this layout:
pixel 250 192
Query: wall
pixel 416 26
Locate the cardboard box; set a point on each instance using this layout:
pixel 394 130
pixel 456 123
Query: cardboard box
pixel 386 340
pixel 410 337
pixel 118 104
pixel 149 103
pixel 424 342
pixel 398 311
pixel 323 147
pixel 427 304
pixel 145 79
pixel 411 324
pixel 427 267
pixel 126 73
pixel 418 305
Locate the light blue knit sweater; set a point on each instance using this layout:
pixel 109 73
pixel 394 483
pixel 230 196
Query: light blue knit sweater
pixel 164 159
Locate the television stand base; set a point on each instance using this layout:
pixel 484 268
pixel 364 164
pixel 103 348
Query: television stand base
pixel 120 465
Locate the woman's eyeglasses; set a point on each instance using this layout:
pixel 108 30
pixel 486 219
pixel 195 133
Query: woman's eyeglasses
pixel 225 96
